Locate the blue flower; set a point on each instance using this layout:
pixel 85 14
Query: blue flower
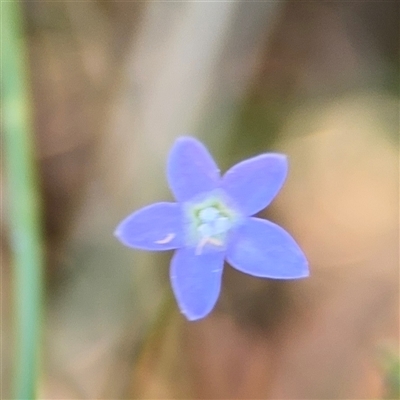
pixel 212 221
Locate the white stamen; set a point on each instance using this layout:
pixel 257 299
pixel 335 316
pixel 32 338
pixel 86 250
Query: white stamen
pixel 204 241
pixel 214 241
pixel 167 239
pixel 200 246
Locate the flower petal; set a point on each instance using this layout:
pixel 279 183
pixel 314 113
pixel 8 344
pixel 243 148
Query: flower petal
pixel 196 281
pixel 158 226
pixel 191 169
pixel 253 183
pixel 263 249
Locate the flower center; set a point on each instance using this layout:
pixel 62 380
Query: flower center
pixel 212 223
pixel 209 222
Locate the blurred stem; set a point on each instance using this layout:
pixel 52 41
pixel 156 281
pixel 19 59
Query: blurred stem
pixel 23 202
pixel 152 340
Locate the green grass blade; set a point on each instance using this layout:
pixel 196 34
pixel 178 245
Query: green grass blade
pixel 23 202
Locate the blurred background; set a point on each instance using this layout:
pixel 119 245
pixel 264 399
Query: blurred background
pixel 111 85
